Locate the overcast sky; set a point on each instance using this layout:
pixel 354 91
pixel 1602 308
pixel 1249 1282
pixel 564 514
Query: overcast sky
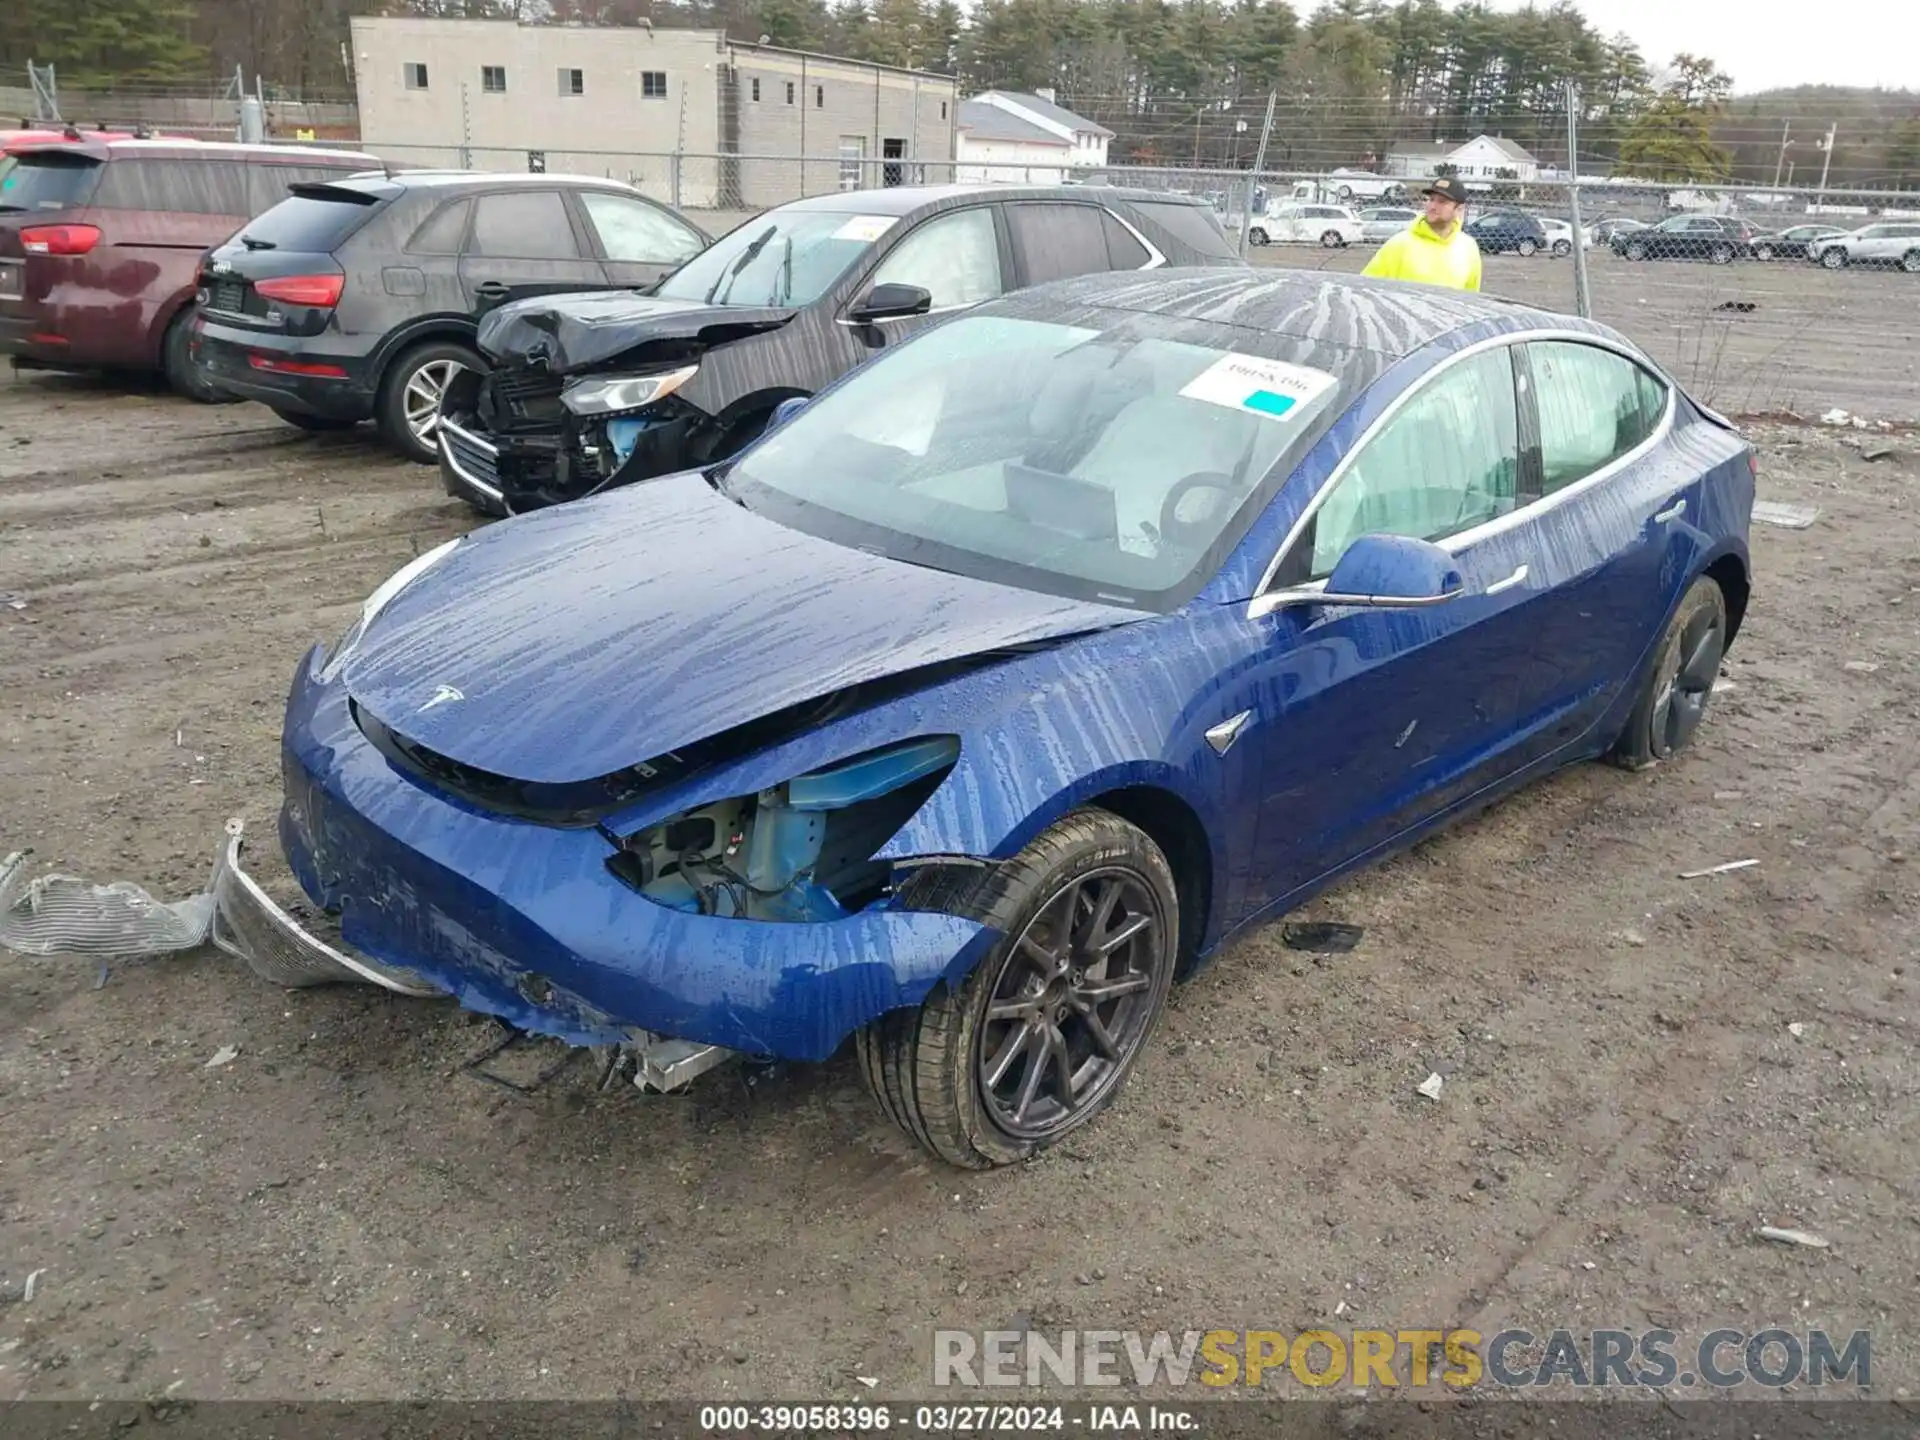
pixel 1764 44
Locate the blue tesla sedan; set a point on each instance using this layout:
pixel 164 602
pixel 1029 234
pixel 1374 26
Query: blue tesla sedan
pixel 1012 677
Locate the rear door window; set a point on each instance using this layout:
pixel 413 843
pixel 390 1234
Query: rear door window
pixel 1057 242
pixel 442 231
pixel 47 180
pixel 184 187
pixel 1190 225
pixel 1124 250
pixel 314 221
pixel 1594 405
pixel 523 225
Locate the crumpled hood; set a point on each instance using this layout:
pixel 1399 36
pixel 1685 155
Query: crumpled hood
pixel 576 332
pixel 590 637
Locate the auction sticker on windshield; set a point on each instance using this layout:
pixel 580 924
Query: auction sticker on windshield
pixel 864 227
pixel 1266 387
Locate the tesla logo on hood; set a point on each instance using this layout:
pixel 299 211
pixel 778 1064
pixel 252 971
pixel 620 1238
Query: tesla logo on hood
pixel 445 695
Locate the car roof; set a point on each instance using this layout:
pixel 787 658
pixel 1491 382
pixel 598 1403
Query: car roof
pixel 425 179
pixel 905 199
pixel 1389 317
pixel 206 150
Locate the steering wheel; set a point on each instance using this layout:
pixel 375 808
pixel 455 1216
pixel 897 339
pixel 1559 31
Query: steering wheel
pixel 1181 528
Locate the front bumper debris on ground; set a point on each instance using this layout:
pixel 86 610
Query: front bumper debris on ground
pixel 66 915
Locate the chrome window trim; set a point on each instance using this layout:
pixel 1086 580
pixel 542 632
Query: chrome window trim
pixel 1263 599
pixel 1154 258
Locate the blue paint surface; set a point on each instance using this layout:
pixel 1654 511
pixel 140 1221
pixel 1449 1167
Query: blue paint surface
pixel 600 634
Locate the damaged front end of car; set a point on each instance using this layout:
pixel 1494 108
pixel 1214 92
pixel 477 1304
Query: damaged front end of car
pixel 572 408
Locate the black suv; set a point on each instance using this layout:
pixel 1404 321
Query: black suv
pixel 588 392
pixel 1719 238
pixel 358 299
pixel 1499 231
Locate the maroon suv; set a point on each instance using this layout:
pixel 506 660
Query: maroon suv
pixel 100 244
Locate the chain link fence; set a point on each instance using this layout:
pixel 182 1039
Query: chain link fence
pixel 1717 283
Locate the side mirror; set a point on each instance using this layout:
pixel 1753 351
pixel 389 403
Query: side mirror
pixel 1381 572
pixel 891 302
pixel 786 410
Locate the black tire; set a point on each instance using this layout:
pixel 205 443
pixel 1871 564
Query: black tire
pixel 1331 240
pixel 925 1065
pixel 390 410
pixel 1834 258
pixel 1679 685
pixel 1527 247
pixel 1763 252
pixel 1256 236
pixel 183 376
pixel 1562 249
pixel 318 424
pixel 1636 250
pixel 1910 262
pixel 1721 254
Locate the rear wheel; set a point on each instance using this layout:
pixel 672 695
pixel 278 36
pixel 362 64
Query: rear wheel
pixel 1636 250
pixel 1562 249
pixel 1721 254
pixel 1040 1038
pixel 318 424
pixel 408 407
pixel 1763 252
pixel 1527 246
pixel 184 378
pixel 1256 236
pixel 1910 262
pixel 1678 687
pixel 1331 240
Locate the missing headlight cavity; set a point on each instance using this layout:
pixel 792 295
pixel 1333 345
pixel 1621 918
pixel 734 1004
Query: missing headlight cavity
pixel 801 851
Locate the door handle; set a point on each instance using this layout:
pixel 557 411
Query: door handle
pixel 1672 512
pixel 1507 584
pixel 490 289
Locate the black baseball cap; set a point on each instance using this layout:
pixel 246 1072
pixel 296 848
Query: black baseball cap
pixel 1447 188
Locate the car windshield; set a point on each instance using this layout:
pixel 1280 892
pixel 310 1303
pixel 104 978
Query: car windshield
pixel 1116 459
pixel 46 180
pixel 785 257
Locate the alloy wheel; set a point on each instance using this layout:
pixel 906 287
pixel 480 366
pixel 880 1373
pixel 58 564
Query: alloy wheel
pixel 1072 1003
pixel 1682 697
pixel 421 400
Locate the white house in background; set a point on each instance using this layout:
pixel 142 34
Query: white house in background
pixel 1086 141
pixel 995 146
pixel 1481 158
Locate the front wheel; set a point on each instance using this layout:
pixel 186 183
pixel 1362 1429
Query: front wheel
pixel 1256 236
pixel 1527 247
pixel 1721 254
pixel 1636 251
pixel 408 408
pixel 1331 240
pixel 1674 698
pixel 1040 1038
pixel 1910 262
pixel 1834 259
pixel 1562 249
pixel 1763 252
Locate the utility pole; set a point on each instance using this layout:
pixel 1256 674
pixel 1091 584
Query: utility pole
pixel 1826 145
pixel 1582 299
pixel 1786 128
pixel 1259 163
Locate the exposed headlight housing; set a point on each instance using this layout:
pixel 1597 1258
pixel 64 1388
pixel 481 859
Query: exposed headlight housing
pixel 799 851
pixel 380 599
pixel 615 394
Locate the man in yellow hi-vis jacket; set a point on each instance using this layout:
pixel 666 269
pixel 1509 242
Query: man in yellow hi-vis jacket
pixel 1435 249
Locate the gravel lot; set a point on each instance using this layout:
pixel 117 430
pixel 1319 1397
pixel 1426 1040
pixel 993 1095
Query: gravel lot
pixel 341 1213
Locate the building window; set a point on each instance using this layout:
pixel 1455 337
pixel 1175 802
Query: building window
pixel 416 76
pixel 819 97
pixel 789 92
pixel 653 84
pixel 853 150
pixel 756 90
pixel 573 82
pixel 943 109
pixel 493 79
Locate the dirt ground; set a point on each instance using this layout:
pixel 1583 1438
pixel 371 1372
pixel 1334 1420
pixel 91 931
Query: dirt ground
pixel 340 1212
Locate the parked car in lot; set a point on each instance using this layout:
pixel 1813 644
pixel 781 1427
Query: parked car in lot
pixel 588 392
pixel 1890 242
pixel 1791 243
pixel 1603 231
pixel 1502 231
pixel 1719 238
pixel 1560 237
pixel 1293 223
pixel 100 244
pixel 1011 679
pixel 1383 222
pixel 359 299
